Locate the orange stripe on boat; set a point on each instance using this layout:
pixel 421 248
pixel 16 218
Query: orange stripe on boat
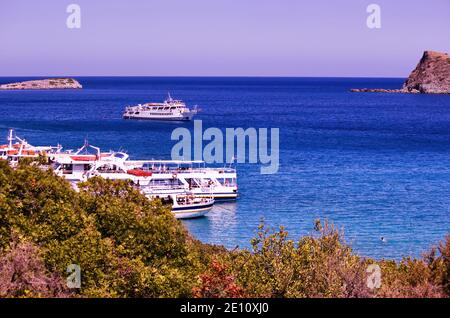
pixel 83 158
pixel 139 173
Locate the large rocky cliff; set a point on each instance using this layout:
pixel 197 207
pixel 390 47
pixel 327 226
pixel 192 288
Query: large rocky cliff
pixel 51 83
pixel 431 76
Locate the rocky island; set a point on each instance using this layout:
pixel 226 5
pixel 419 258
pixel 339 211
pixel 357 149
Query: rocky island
pixel 431 76
pixel 50 83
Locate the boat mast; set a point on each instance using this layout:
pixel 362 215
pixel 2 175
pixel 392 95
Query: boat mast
pixel 10 138
pixel 86 146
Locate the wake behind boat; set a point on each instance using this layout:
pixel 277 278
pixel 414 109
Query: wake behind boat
pixel 171 109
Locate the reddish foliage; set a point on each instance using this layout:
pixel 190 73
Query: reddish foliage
pixel 218 283
pixel 23 274
pixel 444 249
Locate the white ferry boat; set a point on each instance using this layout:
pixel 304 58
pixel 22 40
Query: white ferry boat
pixel 193 175
pixel 81 166
pixel 203 182
pixel 18 148
pixel 170 109
pixel 184 204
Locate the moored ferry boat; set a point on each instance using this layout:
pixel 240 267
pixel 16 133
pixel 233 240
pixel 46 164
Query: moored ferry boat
pixel 82 165
pixel 18 148
pixel 193 175
pixel 184 204
pixel 170 109
pixel 203 182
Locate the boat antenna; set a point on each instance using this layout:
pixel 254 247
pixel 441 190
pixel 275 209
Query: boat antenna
pixel 122 149
pixel 233 159
pixel 10 137
pixel 84 147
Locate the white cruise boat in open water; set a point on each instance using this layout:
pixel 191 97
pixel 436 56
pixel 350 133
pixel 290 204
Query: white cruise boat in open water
pixel 171 109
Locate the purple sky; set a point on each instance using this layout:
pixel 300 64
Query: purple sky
pixel 219 37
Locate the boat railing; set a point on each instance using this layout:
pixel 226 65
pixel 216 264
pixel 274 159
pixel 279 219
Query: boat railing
pixel 188 170
pixel 189 199
pixel 111 171
pixel 154 187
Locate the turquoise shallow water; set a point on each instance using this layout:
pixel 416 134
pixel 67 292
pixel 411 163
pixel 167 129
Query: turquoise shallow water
pixel 377 165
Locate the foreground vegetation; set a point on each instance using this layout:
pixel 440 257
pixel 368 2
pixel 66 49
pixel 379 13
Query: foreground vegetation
pixel 127 246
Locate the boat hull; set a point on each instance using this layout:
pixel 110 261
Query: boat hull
pixel 192 211
pixel 159 118
pixel 174 117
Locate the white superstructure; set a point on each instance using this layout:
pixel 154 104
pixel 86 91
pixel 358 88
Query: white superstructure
pixel 193 175
pixel 18 148
pixel 184 204
pixel 188 185
pixel 170 109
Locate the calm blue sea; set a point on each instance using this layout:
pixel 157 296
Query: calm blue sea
pixel 376 165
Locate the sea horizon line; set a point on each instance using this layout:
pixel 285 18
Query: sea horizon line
pixel 200 76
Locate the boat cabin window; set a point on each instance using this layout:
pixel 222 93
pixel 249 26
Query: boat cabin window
pixel 147 166
pixel 67 168
pixel 228 182
pixel 166 184
pixel 109 169
pixel 193 183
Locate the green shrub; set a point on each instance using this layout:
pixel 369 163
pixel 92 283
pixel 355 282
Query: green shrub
pixel 125 245
pixel 128 246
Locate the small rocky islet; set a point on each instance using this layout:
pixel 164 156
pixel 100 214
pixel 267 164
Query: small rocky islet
pixel 50 83
pixel 431 76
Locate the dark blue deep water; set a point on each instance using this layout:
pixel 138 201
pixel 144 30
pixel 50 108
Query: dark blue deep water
pixel 377 165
